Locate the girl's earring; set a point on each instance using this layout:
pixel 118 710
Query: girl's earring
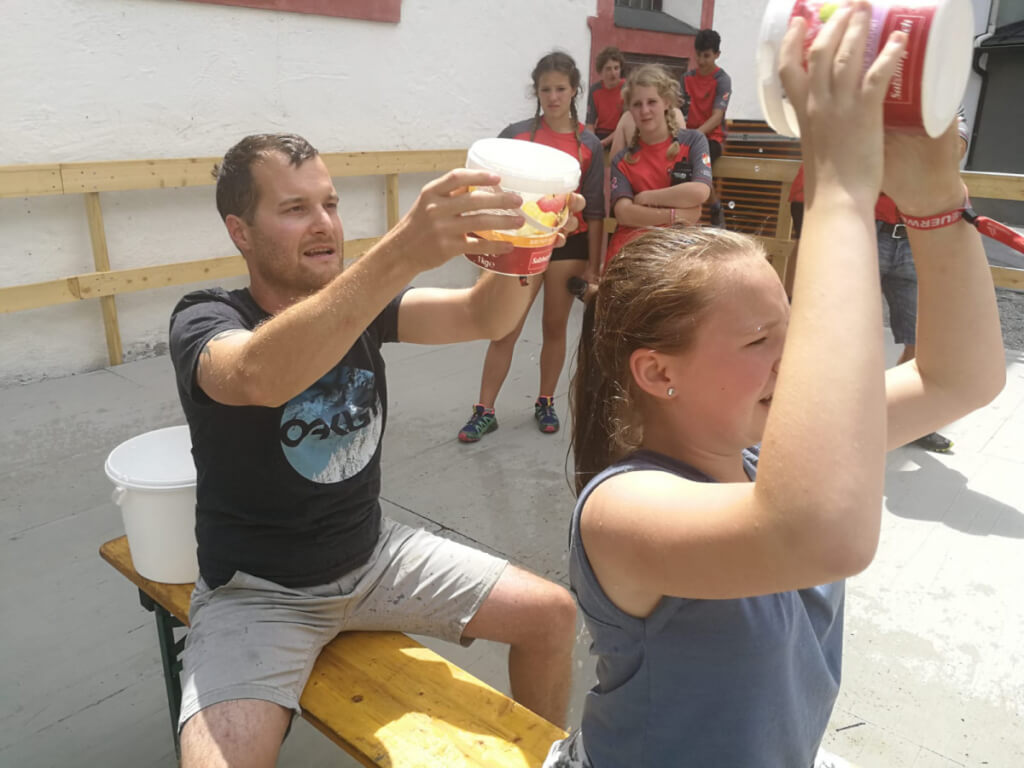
pixel 671 392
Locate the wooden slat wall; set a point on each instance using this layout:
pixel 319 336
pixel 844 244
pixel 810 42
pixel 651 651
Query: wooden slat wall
pixel 391 199
pixel 755 175
pixel 753 138
pixel 100 284
pixel 90 179
pixel 128 175
pixel 82 178
pixel 30 180
pixel 18 298
pixel 101 258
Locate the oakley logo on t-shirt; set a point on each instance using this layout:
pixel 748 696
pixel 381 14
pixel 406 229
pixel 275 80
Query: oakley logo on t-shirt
pixel 330 432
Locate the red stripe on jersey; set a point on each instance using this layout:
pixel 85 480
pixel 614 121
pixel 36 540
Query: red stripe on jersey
pixel 650 171
pixel 608 102
pixel 701 89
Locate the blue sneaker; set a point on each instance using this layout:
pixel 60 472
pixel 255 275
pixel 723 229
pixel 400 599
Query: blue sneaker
pixel 544 413
pixel 480 423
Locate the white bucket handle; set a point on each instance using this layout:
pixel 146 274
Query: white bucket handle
pixel 118 495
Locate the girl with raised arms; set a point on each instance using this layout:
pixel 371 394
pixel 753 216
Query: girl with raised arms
pixel 556 86
pixel 711 574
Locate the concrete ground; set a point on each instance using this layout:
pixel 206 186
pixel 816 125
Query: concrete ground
pixel 934 664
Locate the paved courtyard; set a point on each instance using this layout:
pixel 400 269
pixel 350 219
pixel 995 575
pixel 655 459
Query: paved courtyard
pixel 934 664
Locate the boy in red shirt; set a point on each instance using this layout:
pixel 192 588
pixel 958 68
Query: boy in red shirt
pixel 604 102
pixel 706 92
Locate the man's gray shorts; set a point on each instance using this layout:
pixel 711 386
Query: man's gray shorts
pixel 254 639
pixel 899 282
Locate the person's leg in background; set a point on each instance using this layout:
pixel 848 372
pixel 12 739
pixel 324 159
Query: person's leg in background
pixel 714 200
pixel 557 304
pixel 497 362
pixel 899 287
pixel 796 210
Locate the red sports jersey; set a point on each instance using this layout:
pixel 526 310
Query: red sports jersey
pixel 796 192
pixel 604 107
pixel 885 208
pixel 589 152
pixel 702 95
pixel 651 171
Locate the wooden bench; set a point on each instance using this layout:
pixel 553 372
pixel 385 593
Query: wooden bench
pixel 381 696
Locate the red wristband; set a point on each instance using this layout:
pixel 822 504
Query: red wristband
pixel 939 220
pixel 671 217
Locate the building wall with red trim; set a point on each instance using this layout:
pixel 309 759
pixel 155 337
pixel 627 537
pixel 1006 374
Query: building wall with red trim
pixel 370 10
pixel 604 33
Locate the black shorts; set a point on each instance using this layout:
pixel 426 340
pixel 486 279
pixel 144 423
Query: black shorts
pixel 714 149
pixel 575 247
pixel 796 209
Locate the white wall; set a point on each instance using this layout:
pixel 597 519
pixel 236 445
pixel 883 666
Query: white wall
pixel 739 22
pixel 128 79
pixel 684 10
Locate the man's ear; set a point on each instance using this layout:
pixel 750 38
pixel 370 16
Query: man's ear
pixel 650 372
pixel 239 233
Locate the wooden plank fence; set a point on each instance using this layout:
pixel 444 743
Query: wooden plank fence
pixel 755 173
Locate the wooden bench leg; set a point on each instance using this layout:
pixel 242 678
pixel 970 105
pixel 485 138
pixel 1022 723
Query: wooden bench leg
pixel 170 655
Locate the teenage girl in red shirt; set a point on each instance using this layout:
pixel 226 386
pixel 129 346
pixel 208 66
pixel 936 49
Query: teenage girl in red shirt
pixel 664 175
pixel 556 84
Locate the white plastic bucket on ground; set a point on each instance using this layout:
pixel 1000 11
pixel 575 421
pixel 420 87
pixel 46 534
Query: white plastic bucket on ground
pixel 155 486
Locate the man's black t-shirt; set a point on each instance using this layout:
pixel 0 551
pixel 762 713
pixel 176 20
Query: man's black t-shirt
pixel 288 494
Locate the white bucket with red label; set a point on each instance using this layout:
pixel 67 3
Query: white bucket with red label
pixel 544 177
pixel 929 83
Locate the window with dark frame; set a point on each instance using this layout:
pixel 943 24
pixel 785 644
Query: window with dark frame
pixel 641 5
pixel 676 66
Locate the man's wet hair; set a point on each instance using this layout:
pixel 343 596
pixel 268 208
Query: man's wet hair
pixel 236 191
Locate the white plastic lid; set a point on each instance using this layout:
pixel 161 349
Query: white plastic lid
pixel 946 69
pixel 774 104
pixel 947 64
pixel 525 166
pixel 158 459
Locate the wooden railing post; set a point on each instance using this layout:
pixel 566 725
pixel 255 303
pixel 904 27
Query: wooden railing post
pixel 101 258
pixel 391 198
pixel 783 227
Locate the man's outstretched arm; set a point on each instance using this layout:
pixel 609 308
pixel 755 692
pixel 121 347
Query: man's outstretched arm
pixel 289 352
pixel 489 310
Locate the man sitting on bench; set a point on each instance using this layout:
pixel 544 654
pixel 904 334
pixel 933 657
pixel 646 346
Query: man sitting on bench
pixel 284 390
